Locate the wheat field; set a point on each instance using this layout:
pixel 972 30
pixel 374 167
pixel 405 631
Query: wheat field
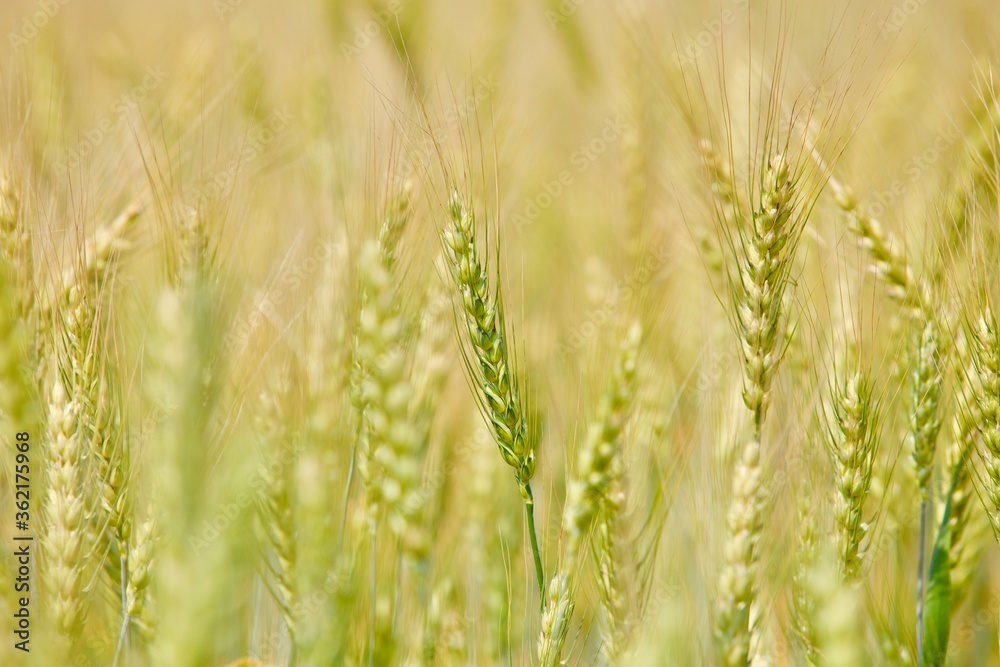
pixel 513 332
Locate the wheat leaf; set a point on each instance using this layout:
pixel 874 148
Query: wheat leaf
pixel 937 615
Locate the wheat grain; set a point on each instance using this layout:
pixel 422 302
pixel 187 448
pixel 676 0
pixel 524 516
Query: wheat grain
pixel 925 397
pixel 853 441
pixel 138 605
pixel 65 513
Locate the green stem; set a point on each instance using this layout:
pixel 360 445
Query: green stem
pixel 920 580
pixel 347 491
pixel 374 578
pixel 529 508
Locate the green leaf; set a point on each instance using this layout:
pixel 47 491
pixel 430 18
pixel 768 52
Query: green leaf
pixel 937 604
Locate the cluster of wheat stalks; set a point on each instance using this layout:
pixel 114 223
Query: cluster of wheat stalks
pixel 621 354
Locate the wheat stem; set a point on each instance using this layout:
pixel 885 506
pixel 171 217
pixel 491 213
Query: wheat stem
pixel 529 515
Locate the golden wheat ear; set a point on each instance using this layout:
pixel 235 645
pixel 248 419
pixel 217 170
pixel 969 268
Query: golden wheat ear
pixel 853 441
pixel 888 256
pixel 985 336
pixel 764 255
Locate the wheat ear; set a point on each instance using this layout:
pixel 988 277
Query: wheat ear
pixel 108 449
pixel 15 247
pixel 803 595
pixel 63 541
pixel 378 354
pixel 598 469
pixel 925 423
pixel 888 260
pixel 327 431
pixel 768 243
pixel 275 504
pixel 956 464
pixel 394 423
pixel 138 603
pixel 495 380
pixel 925 397
pixel 737 582
pixel 395 443
pixel 17 408
pixel 724 198
pixel 181 382
pixel 763 278
pixel 11 236
pixel 612 598
pixel 986 359
pixel 73 409
pixel 853 442
pixel 837 617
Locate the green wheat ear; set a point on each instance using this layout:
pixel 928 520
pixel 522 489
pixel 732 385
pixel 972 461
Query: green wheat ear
pixel 496 380
pixel 491 371
pixel 925 387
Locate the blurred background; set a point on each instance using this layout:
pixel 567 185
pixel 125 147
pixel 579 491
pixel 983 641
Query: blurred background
pixel 282 128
